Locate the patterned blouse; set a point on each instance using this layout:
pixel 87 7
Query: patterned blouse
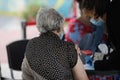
pixel 51 57
pixel 76 30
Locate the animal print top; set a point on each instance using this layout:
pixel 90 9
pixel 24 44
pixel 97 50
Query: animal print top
pixel 51 57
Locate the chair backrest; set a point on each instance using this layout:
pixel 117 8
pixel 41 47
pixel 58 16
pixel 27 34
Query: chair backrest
pixel 15 52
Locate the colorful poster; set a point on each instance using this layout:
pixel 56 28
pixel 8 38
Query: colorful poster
pixel 17 6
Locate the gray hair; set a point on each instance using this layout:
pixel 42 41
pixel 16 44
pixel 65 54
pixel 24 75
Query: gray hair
pixel 48 19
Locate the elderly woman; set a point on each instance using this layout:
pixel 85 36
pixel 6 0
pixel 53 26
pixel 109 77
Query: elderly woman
pixel 47 57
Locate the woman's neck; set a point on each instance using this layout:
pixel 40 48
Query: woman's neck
pixel 85 20
pixel 57 33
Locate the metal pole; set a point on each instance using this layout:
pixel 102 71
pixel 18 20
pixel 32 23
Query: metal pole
pixel 23 25
pixel 0 72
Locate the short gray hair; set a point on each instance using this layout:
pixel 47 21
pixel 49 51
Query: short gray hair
pixel 48 19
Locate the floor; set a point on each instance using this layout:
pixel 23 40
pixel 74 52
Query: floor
pixel 5 72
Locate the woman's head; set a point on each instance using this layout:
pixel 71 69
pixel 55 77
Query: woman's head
pixel 87 4
pixel 86 7
pixel 48 19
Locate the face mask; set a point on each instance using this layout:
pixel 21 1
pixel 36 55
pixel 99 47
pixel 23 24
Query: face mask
pixel 98 22
pixel 62 36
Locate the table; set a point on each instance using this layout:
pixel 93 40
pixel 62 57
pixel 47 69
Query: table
pixel 103 75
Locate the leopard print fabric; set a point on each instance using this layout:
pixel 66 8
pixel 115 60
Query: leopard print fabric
pixel 51 57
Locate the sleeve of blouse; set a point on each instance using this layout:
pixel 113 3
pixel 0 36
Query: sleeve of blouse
pixel 72 55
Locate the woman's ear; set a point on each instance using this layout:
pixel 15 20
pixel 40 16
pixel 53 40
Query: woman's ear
pixel 104 16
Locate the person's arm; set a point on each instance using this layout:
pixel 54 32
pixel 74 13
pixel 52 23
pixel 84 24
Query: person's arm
pixel 79 71
pixel 26 73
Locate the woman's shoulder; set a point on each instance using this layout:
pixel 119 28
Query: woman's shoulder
pixel 75 22
pixel 34 40
pixel 68 44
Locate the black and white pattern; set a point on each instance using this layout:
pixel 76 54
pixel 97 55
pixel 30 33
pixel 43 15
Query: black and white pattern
pixel 51 57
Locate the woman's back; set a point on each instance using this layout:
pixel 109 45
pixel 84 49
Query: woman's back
pixel 51 56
